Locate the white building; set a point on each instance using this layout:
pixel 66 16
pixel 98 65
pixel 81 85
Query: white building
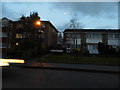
pixel 89 38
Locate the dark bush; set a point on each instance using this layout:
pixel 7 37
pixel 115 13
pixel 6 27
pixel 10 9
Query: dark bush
pixel 106 49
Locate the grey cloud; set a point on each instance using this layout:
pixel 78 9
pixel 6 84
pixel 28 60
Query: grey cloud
pixel 94 10
pixel 66 25
pixel 7 12
pixel 89 8
pixel 17 12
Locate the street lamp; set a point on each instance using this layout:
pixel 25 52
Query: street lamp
pixel 38 23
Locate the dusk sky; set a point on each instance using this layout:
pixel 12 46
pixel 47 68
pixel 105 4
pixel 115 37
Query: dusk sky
pixel 93 15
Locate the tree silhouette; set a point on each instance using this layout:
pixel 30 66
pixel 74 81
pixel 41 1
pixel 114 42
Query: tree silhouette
pixel 74 24
pixel 106 49
pixel 29 45
pixel 29 21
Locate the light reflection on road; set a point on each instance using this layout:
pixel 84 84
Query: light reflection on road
pixel 39 64
pixel 5 62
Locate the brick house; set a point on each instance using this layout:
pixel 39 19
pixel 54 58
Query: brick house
pixel 5 35
pixel 13 32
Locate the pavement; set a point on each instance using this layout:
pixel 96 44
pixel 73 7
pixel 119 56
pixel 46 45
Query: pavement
pixel 72 67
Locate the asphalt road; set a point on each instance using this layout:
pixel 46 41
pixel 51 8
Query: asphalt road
pixel 16 77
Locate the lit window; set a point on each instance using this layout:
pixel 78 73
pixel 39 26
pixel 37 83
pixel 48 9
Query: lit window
pixel 19 36
pixel 17 44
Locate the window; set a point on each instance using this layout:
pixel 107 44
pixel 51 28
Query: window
pixel 41 36
pixel 0 34
pixel 117 36
pixel 41 31
pixel 88 36
pixel 92 47
pixel 26 34
pixel 53 30
pixel 9 45
pixel 0 24
pixel 43 25
pixel 68 35
pixel 4 34
pixel 17 44
pixel 0 45
pixel 93 36
pixel 78 35
pixel 19 26
pixel 19 36
pixel 5 23
pixel 110 36
pixel 3 45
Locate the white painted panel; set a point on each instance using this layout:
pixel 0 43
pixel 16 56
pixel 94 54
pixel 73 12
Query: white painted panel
pixel 92 49
pixel 78 41
pixel 93 40
pixel 118 42
pixel 72 41
pixel 113 42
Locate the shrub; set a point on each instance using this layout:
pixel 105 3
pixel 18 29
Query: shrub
pixel 28 54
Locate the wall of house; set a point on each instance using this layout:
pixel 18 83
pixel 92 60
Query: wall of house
pixel 91 40
pixel 114 39
pixel 113 42
pixel 50 35
pixel 91 47
pixel 4 35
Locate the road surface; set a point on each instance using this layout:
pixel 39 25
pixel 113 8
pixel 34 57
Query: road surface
pixel 17 77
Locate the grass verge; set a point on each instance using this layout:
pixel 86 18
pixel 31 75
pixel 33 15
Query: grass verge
pixel 114 61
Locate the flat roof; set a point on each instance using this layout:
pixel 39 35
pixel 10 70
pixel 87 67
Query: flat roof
pixel 92 30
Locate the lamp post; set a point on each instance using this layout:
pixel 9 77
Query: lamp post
pixel 37 35
pixel 37 24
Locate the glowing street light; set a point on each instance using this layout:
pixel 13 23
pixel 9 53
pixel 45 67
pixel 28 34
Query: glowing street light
pixel 38 23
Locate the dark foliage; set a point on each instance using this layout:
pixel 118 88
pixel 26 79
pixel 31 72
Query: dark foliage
pixel 29 47
pixel 107 49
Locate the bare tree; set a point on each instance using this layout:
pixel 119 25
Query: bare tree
pixel 74 24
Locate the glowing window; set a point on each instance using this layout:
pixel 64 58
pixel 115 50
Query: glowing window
pixel 19 36
pixel 17 44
